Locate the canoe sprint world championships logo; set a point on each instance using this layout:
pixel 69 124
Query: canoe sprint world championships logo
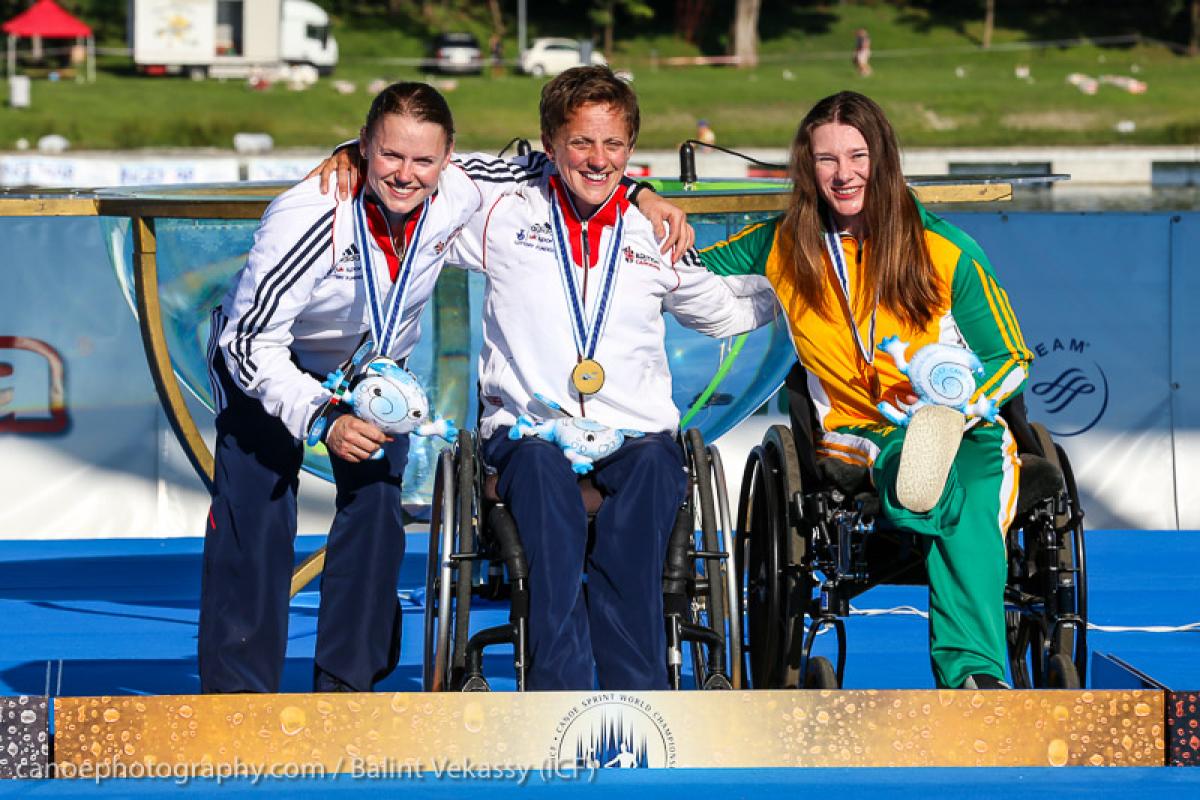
pixel 1068 391
pixel 613 731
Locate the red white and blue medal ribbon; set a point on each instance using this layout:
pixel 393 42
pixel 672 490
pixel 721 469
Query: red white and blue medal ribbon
pixel 385 310
pixel 585 330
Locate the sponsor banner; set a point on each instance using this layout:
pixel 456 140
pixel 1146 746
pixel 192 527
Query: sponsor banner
pixel 87 452
pixel 55 172
pixel 162 172
pixel 74 171
pixel 1102 299
pixel 1183 380
pixel 279 169
pixel 509 734
pixel 1092 293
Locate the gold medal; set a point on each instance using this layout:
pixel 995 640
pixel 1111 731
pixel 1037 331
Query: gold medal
pixel 588 376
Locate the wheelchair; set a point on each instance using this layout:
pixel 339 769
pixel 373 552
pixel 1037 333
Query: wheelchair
pixel 809 540
pixel 475 552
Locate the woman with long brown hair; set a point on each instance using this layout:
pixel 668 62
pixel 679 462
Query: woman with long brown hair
pixel 856 259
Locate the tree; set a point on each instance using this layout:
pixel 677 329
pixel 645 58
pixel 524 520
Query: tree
pixel 989 19
pixel 497 18
pixel 745 32
pixel 604 15
pixel 1194 37
pixel 690 15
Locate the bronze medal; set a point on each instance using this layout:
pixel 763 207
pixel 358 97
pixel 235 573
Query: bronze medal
pixel 588 376
pixel 874 384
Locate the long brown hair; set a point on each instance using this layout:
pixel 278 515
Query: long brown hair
pixel 898 269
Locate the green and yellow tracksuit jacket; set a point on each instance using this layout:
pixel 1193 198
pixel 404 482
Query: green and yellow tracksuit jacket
pixel 974 311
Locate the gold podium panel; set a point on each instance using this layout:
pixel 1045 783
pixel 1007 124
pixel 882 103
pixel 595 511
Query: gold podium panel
pixel 404 734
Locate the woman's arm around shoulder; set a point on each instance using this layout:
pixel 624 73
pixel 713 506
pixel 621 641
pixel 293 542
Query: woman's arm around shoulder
pixel 744 253
pixel 719 305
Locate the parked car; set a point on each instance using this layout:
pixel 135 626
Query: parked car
pixel 552 56
pixel 456 52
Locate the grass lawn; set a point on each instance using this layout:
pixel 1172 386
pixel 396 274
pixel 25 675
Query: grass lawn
pixel 939 88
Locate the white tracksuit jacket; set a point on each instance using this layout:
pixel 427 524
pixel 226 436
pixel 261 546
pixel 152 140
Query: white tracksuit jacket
pixel 299 305
pixel 528 344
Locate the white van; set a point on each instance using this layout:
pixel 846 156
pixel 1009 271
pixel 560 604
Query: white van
pixel 229 37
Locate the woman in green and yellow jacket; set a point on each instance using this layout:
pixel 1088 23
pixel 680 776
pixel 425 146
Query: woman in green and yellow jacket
pixel 855 259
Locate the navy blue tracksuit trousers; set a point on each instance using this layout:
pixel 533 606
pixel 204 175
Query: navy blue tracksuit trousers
pixel 249 554
pixel 612 628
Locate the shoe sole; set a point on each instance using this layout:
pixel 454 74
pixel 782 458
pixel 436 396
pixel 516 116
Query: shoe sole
pixel 930 445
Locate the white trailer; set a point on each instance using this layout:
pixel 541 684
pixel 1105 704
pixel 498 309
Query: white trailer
pixel 229 37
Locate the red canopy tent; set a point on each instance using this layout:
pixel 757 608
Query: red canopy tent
pixel 48 20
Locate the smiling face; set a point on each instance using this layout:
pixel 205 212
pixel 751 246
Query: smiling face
pixel 842 162
pixel 591 151
pixel 405 157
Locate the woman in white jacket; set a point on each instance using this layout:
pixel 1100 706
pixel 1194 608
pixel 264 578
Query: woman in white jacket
pixel 573 314
pixel 324 275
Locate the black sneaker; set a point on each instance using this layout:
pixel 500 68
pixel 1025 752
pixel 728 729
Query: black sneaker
pixel 983 682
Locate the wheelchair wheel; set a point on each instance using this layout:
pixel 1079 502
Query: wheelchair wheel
pixel 1051 631
pixel 1061 673
pixel 733 616
pixel 820 674
pixel 710 610
pixel 448 570
pixel 1068 639
pixel 768 551
pixel 1078 552
pixel 436 659
pixel 1050 452
pixel 1017 634
pixel 466 525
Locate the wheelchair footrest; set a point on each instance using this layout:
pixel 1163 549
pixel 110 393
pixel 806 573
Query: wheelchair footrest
pixel 476 683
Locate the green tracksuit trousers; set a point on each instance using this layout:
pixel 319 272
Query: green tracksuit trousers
pixel 963 538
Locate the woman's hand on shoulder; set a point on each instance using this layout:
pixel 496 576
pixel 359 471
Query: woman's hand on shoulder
pixel 671 227
pixel 344 165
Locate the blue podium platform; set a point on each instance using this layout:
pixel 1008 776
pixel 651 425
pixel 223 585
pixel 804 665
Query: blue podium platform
pixel 97 617
pixel 116 617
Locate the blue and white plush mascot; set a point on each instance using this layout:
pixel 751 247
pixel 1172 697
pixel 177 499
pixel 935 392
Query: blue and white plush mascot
pixel 384 394
pixel 393 400
pixel 583 441
pixel 941 375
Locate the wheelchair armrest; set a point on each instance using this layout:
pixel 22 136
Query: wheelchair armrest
pixel 869 504
pixel 503 530
pixel 1017 417
pixel 849 479
pixel 677 568
pixel 1040 479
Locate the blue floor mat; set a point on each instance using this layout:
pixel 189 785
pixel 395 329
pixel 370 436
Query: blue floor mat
pixel 119 617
